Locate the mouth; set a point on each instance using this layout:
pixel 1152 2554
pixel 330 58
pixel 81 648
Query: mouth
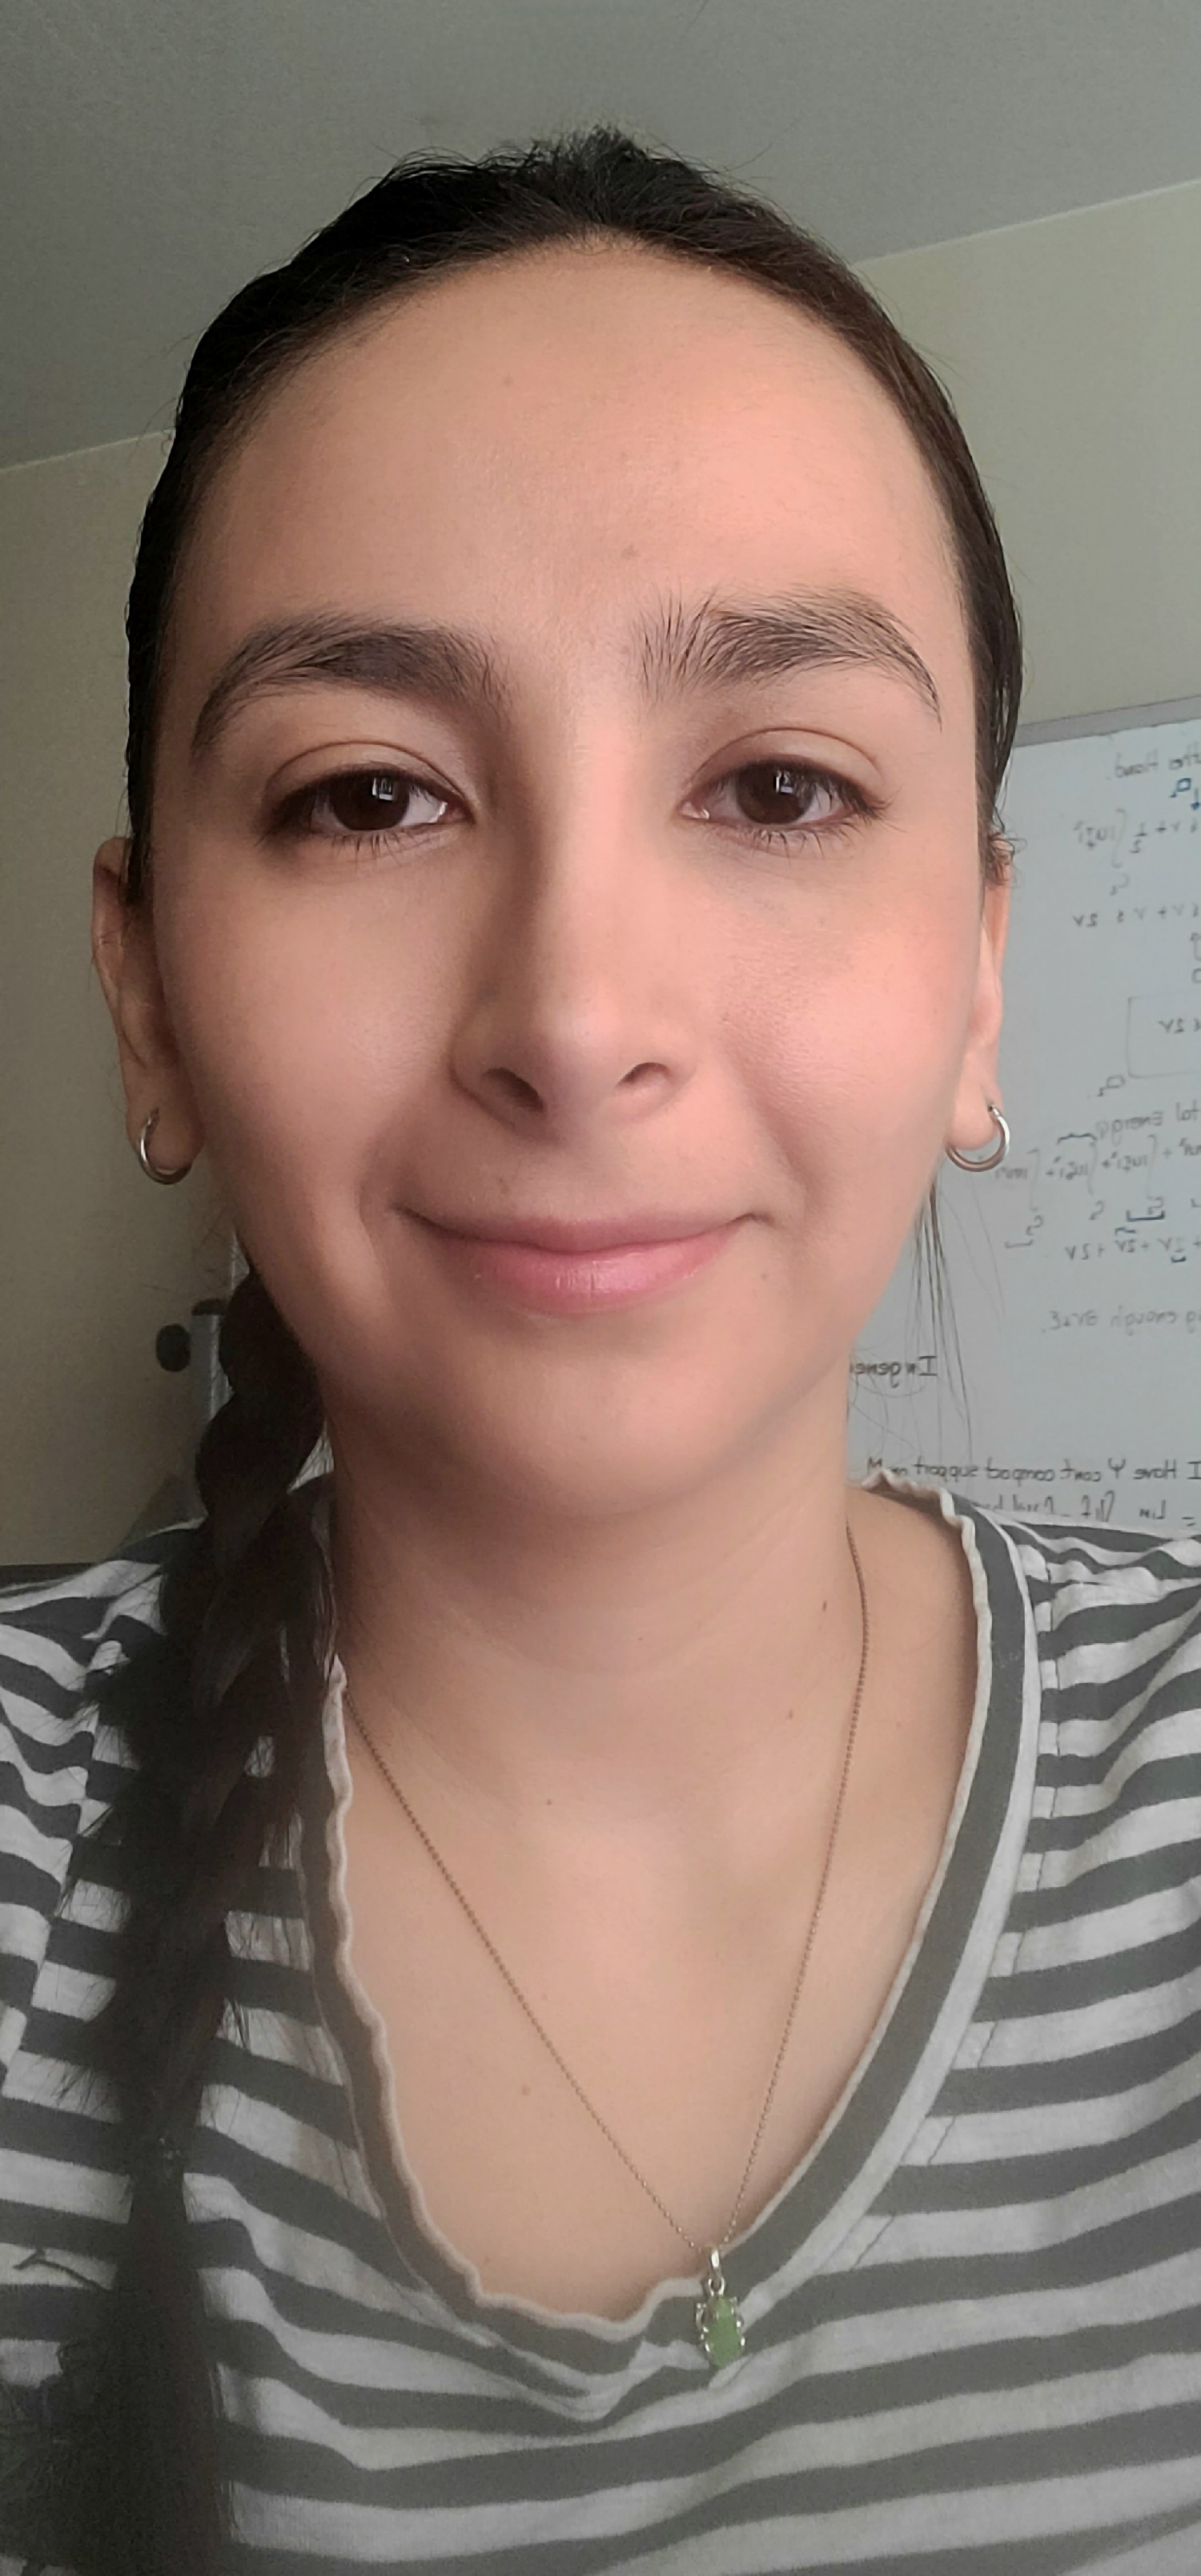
pixel 592 1234
pixel 580 1268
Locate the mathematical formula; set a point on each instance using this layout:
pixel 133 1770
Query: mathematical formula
pixel 1075 1269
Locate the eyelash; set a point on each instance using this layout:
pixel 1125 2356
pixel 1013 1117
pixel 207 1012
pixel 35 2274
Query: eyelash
pixel 294 817
pixel 857 806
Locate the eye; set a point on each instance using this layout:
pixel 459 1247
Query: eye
pixel 371 807
pixel 779 800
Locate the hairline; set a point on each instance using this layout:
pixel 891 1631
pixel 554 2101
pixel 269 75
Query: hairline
pixel 232 432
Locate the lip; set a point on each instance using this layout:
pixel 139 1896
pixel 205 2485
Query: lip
pixel 591 1234
pixel 593 1268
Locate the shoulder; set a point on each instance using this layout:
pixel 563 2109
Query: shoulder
pixel 1117 1622
pixel 1113 1615
pixel 1106 1602
pixel 1069 1568
pixel 58 1637
pixel 1107 1593
pixel 1094 1590
pixel 60 1763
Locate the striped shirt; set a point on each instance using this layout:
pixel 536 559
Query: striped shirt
pixel 973 2311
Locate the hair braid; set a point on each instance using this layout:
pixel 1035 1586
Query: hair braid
pixel 217 1714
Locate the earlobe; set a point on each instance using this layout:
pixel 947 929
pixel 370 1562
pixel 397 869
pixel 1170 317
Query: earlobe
pixel 974 1123
pixel 988 1002
pixel 124 954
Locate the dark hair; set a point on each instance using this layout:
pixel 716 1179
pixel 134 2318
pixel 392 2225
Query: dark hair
pixel 241 1667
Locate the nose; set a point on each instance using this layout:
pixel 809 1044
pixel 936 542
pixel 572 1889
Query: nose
pixel 578 1010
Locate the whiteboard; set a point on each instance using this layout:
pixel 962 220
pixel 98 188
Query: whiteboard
pixel 1074 1270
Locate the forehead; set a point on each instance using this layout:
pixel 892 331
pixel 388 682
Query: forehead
pixel 540 446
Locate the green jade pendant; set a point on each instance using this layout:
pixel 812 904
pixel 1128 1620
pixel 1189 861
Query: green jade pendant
pixel 718 2321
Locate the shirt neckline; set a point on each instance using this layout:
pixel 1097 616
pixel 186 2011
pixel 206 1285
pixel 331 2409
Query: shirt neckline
pixel 888 2094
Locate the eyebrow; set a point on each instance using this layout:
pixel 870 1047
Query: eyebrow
pixel 434 663
pixel 802 630
pixel 678 651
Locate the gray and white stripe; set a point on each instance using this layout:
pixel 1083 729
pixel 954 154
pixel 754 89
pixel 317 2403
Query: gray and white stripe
pixel 974 2309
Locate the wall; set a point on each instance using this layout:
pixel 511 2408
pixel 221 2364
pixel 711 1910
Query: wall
pixel 1072 349
pixel 93 1258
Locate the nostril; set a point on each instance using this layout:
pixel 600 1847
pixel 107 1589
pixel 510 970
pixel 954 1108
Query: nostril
pixel 517 1087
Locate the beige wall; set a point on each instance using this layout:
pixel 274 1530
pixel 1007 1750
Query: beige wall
pixel 93 1258
pixel 1072 348
pixel 1072 351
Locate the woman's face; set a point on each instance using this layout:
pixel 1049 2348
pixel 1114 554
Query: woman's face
pixel 650 882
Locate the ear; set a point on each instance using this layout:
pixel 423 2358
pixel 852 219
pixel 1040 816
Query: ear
pixel 152 1070
pixel 970 1125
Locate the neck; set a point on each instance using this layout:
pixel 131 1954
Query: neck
pixel 635 1676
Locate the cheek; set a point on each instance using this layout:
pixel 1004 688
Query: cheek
pixel 299 1034
pixel 854 1049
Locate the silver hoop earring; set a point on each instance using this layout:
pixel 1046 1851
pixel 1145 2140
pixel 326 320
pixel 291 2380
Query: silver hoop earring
pixel 151 1169
pixel 984 1162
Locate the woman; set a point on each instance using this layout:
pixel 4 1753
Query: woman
pixel 583 1995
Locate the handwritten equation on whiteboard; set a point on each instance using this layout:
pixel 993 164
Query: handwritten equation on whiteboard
pixel 1075 1269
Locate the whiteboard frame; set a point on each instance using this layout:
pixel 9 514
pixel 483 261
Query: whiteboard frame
pixel 1113 720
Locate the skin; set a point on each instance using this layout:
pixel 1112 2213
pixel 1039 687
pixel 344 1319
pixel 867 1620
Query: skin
pixel 595 1597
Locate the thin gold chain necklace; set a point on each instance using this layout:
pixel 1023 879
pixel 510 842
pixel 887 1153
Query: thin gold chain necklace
pixel 719 2324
